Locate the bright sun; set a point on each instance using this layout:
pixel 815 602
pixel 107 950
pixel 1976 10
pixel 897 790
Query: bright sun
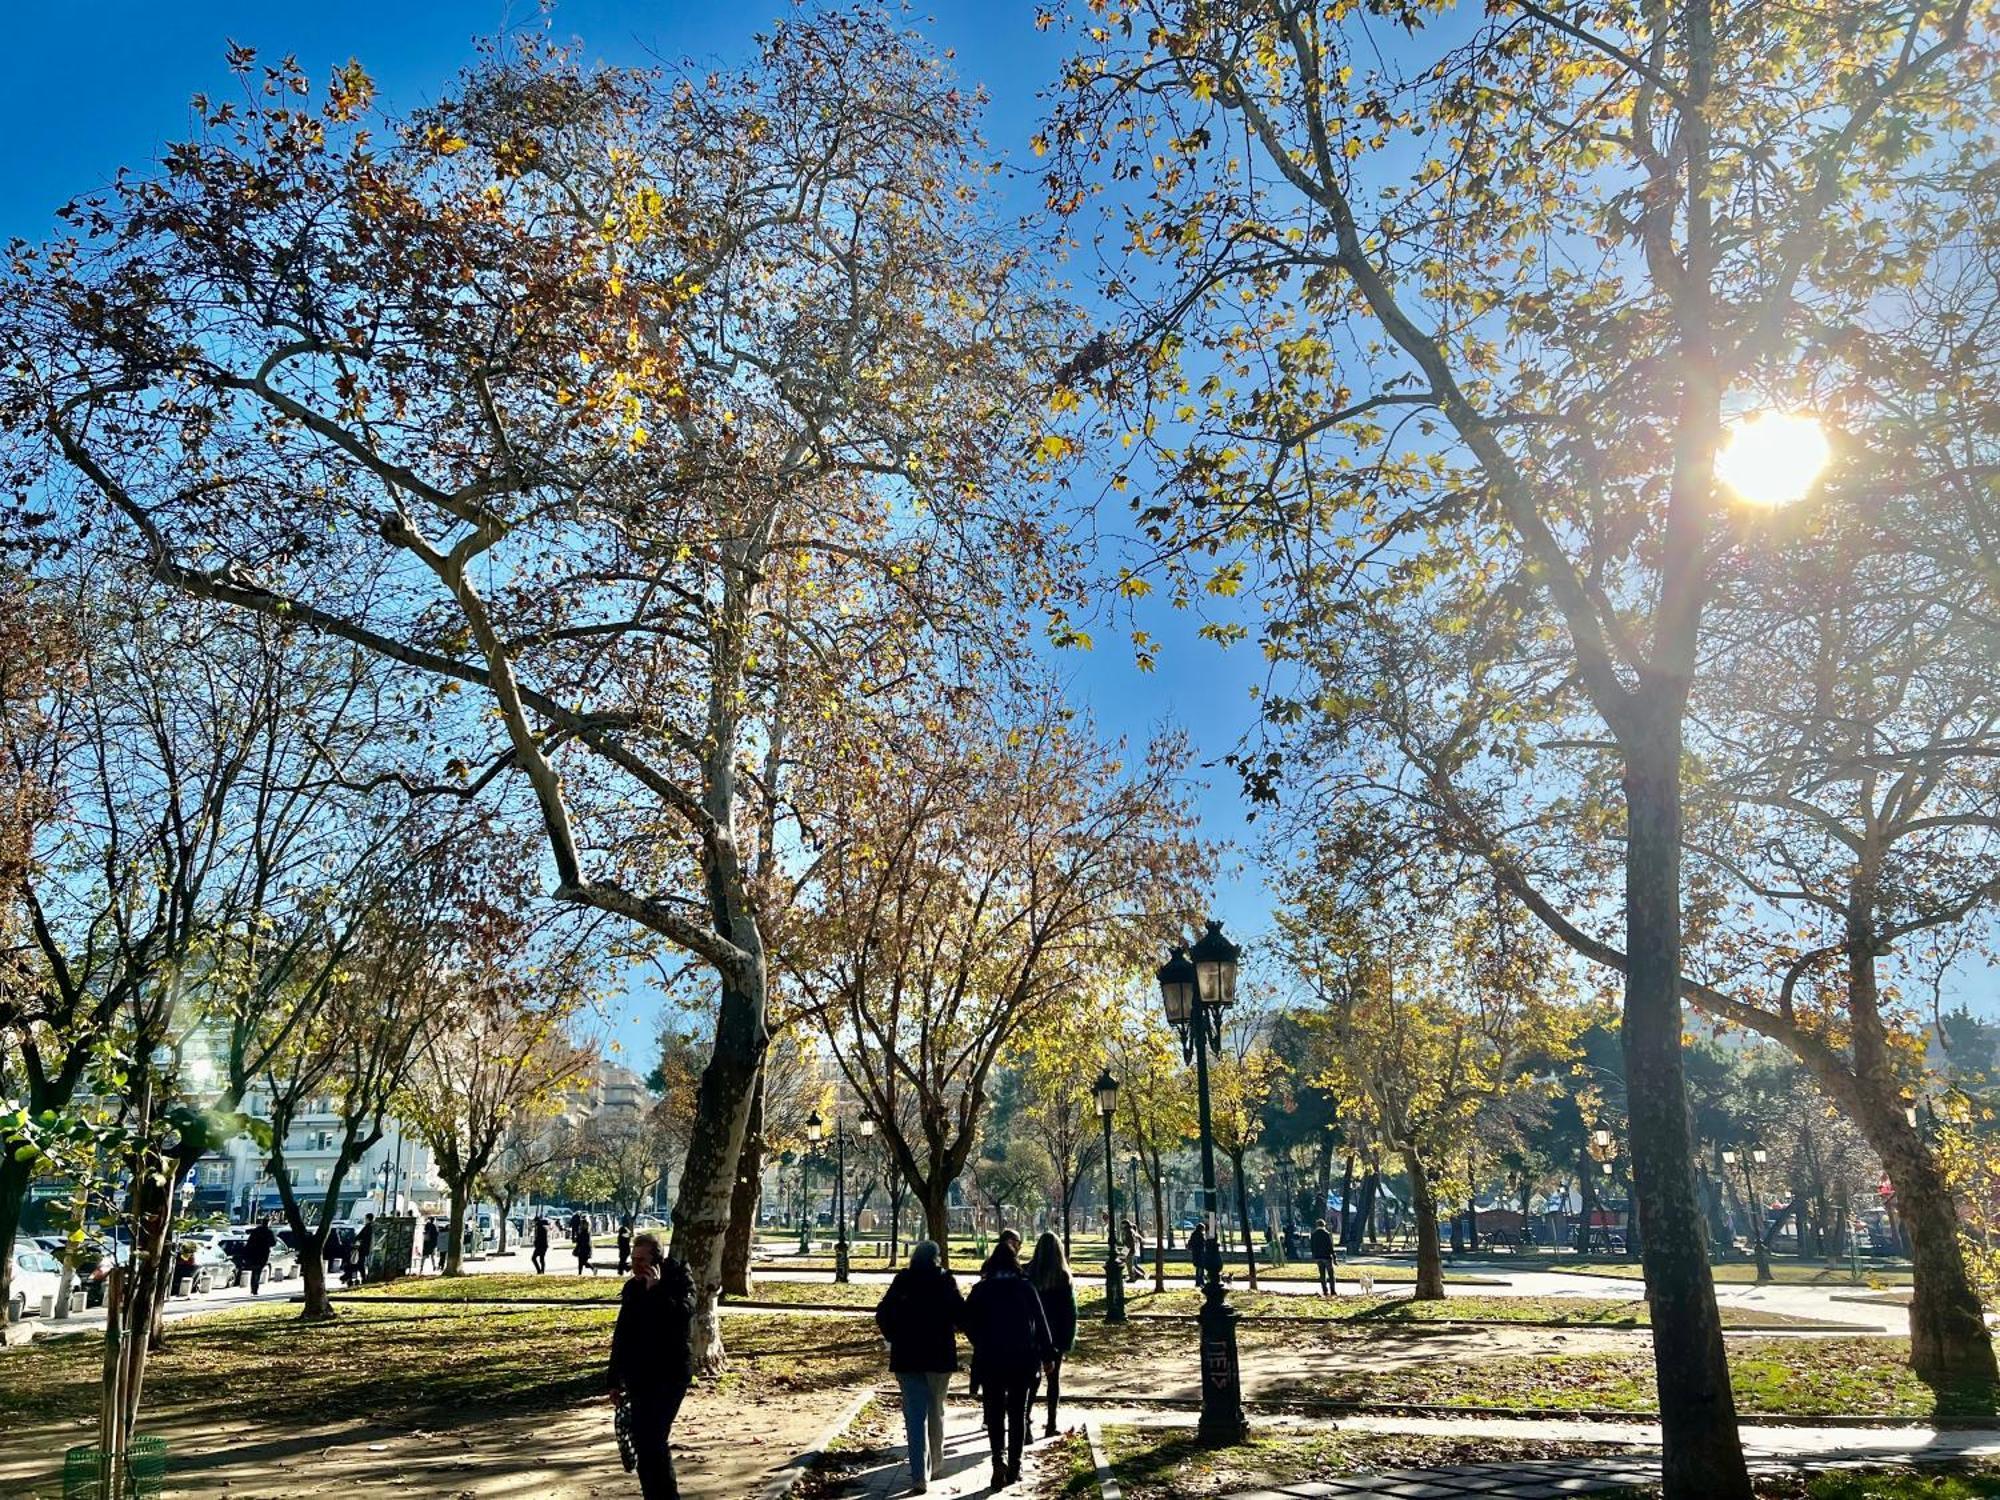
pixel 1773 458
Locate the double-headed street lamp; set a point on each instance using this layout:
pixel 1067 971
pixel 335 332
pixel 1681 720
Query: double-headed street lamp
pixel 1195 985
pixel 1759 1156
pixel 815 1133
pixel 1106 1090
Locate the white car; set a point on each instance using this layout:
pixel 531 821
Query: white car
pixel 36 1275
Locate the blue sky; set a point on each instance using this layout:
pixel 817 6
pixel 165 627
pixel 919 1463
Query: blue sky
pixel 86 90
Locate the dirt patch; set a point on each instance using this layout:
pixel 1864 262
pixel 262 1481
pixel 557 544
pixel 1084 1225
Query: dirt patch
pixel 725 1446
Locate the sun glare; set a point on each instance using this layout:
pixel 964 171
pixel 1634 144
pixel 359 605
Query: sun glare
pixel 1773 458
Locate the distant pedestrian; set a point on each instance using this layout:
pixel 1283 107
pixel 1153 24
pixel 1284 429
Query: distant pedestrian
pixel 357 1268
pixel 580 1245
pixel 624 1244
pixel 650 1368
pixel 1197 1249
pixel 257 1248
pixel 1010 1342
pixel 1322 1248
pixel 1048 1273
pixel 919 1315
pixel 540 1257
pixel 1135 1250
pixel 430 1252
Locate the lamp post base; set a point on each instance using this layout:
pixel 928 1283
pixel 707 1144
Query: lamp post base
pixel 840 1261
pixel 1222 1420
pixel 1114 1289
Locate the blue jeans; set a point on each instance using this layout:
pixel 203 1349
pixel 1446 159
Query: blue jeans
pixel 923 1420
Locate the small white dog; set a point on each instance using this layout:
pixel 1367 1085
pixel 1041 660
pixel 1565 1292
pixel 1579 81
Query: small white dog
pixel 1367 1281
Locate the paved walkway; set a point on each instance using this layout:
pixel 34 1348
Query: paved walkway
pixel 968 1461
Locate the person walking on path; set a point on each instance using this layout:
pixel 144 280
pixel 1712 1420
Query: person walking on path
pixel 1048 1273
pixel 1323 1257
pixel 650 1370
pixel 1010 1341
pixel 1135 1250
pixel 624 1244
pixel 580 1227
pixel 357 1265
pixel 540 1257
pixel 919 1315
pixel 257 1248
pixel 1197 1249
pixel 430 1244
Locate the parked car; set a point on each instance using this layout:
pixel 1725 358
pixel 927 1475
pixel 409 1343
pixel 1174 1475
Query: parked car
pixel 37 1274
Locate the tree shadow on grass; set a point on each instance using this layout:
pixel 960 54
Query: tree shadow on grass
pixel 1963 1398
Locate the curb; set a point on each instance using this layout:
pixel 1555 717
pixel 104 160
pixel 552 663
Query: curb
pixel 1107 1482
pixel 780 1484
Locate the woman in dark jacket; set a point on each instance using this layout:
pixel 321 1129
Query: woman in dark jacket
pixel 1048 1273
pixel 1010 1342
pixel 919 1316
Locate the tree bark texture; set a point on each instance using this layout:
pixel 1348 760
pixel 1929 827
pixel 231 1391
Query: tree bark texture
pixel 1702 1453
pixel 1243 1216
pixel 454 1254
pixel 13 1198
pixel 737 1276
pixel 1423 1202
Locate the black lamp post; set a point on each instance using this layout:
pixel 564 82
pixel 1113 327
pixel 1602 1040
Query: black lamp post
pixel 1195 985
pixel 1106 1089
pixel 815 1130
pixel 839 1199
pixel 1758 1155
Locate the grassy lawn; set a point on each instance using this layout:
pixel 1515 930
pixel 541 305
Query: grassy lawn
pixel 1596 1312
pixel 262 1364
pixel 1788 1273
pixel 1085 1267
pixel 1156 1464
pixel 1798 1376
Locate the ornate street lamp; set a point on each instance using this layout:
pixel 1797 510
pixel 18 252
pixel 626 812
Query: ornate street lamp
pixel 1106 1090
pixel 1759 1156
pixel 866 1130
pixel 815 1133
pixel 839 1198
pixel 1195 985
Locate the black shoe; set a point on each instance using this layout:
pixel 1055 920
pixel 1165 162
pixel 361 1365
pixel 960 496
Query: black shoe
pixel 999 1477
pixel 1014 1472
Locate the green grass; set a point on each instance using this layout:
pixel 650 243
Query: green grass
pixel 1598 1312
pixel 263 1364
pixel 1735 1273
pixel 1795 1376
pixel 491 1286
pixel 1169 1464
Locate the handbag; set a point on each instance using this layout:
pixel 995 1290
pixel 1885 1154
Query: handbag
pixel 621 1428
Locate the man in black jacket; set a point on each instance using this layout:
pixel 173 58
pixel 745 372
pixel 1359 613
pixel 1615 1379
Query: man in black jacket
pixel 1323 1258
pixel 357 1268
pixel 650 1367
pixel 257 1253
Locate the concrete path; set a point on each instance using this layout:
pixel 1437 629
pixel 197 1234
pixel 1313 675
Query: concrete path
pixel 968 1461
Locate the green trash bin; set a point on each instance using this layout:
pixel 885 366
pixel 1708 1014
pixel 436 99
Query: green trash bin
pixel 145 1470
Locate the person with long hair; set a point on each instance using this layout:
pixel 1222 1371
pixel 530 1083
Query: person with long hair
pixel 919 1316
pixel 1010 1342
pixel 1048 1273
